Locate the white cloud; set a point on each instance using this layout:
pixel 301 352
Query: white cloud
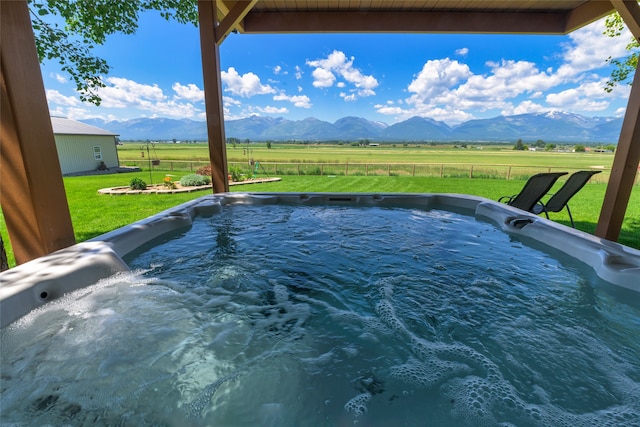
pixel 300 101
pixel 389 110
pixel 448 115
pixel 190 92
pixel 76 113
pixel 59 77
pixel 247 85
pixel 437 76
pixel 589 48
pixel 123 93
pixel 173 109
pixel 273 110
pixel 55 97
pixel 586 97
pixel 525 107
pixel 441 88
pixel 508 79
pixel 227 100
pixel 323 78
pixel 348 98
pixel 337 65
pixel 449 90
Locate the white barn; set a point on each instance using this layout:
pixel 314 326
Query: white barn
pixel 83 148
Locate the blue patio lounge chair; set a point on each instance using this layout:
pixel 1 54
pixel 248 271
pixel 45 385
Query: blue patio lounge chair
pixel 560 200
pixel 533 191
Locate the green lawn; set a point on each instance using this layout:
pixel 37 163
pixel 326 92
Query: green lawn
pixel 93 214
pixel 326 153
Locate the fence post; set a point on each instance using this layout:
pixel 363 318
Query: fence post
pixel 414 170
pixel 321 170
pixel 346 169
pixel 441 170
pixel 366 169
pixel 388 169
pixel 509 174
pixel 471 172
pixel 298 169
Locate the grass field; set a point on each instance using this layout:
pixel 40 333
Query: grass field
pixel 94 214
pixel 298 153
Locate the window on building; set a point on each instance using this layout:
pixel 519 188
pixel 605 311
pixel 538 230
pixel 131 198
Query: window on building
pixel 97 152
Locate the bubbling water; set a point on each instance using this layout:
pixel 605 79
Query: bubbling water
pixel 287 316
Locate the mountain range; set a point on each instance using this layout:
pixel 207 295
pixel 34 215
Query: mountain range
pixel 549 127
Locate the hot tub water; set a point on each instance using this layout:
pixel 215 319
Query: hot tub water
pixel 280 315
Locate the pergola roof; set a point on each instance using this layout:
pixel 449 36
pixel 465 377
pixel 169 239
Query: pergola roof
pixel 407 16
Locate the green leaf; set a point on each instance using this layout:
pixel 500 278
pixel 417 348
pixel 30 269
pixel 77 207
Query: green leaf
pixel 88 23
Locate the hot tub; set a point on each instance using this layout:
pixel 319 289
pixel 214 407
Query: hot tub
pixel 332 309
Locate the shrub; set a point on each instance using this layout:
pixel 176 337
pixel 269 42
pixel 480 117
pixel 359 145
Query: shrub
pixel 204 170
pixel 194 180
pixel 236 174
pixel 137 184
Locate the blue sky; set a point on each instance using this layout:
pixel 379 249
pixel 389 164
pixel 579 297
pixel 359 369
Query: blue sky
pixel 381 77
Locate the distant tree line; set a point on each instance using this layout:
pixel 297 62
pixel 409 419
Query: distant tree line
pixel 365 142
pixel 519 145
pixel 578 148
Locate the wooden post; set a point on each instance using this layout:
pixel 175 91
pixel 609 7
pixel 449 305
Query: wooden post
pixel 33 198
pixel 623 170
pixel 213 95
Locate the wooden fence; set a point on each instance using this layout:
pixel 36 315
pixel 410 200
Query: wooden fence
pixel 441 170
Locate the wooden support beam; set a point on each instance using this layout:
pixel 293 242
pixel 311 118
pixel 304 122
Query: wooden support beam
pixel 382 21
pixel 213 95
pixel 624 169
pixel 32 195
pixel 629 10
pixel 588 13
pixel 627 157
pixel 233 18
pixel 223 11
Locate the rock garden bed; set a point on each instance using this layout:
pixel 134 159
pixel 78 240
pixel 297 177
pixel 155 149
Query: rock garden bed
pixel 163 189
